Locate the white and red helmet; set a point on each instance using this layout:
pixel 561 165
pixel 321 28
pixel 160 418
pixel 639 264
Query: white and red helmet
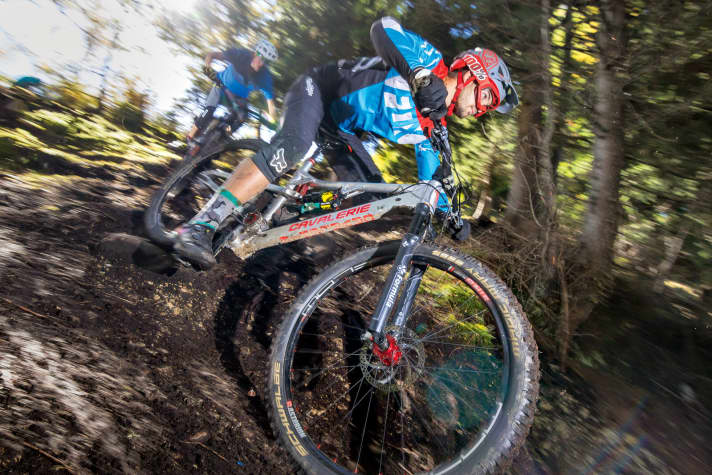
pixel 490 72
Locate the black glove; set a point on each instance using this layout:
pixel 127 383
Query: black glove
pixel 429 93
pixel 211 73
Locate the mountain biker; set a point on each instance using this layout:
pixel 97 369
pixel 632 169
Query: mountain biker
pixel 397 96
pixel 246 71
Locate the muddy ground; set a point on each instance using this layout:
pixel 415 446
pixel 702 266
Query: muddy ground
pixel 106 367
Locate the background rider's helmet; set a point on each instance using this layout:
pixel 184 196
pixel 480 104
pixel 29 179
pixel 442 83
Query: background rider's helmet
pixel 489 71
pixel 266 49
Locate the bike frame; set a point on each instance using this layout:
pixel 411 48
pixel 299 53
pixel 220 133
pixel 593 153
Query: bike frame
pixel 423 197
pixel 248 239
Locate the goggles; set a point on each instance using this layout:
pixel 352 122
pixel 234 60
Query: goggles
pixel 484 82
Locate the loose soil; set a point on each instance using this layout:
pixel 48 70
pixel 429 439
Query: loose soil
pixel 107 367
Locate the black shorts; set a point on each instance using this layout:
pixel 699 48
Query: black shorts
pixel 305 109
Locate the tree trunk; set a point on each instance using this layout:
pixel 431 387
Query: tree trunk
pixel 673 245
pixel 601 218
pixel 559 140
pixel 484 202
pixel 547 173
pixel 554 266
pixel 524 200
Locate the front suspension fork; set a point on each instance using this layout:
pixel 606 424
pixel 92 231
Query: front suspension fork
pixel 397 276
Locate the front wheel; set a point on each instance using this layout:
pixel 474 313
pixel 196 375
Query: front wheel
pixel 458 399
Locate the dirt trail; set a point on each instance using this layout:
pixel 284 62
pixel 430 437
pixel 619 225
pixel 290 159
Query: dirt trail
pixel 106 367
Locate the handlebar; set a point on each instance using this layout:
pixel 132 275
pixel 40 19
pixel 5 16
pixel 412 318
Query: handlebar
pixel 441 142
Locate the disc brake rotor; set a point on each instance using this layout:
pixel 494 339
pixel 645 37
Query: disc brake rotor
pixel 402 374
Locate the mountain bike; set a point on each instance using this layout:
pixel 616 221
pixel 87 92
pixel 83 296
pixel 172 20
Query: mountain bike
pixel 403 357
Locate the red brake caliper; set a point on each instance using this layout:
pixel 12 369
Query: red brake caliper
pixel 391 355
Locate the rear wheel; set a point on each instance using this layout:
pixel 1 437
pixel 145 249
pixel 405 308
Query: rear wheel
pixel 458 399
pixel 189 187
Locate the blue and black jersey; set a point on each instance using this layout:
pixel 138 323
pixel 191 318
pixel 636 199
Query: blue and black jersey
pixel 373 95
pixel 365 94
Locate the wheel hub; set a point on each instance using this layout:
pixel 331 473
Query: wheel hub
pixel 391 355
pixel 399 365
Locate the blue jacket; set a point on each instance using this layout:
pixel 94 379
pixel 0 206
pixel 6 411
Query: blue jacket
pixel 372 94
pixel 241 79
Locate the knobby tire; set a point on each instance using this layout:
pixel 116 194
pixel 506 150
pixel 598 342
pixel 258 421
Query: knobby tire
pixel 460 400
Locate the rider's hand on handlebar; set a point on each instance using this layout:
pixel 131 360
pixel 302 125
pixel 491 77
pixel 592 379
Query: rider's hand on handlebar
pixel 429 93
pixel 211 73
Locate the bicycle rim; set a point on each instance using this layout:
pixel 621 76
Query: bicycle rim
pixel 190 187
pixel 431 410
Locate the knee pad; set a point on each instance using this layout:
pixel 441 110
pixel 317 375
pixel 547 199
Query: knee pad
pixel 281 155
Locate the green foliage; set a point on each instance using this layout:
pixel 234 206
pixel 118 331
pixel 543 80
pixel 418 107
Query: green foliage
pixel 130 111
pixel 61 142
pixel 311 33
pixel 128 116
pixel 71 94
pixel 669 153
pixel 58 123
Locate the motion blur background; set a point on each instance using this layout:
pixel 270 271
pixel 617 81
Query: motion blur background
pixel 593 200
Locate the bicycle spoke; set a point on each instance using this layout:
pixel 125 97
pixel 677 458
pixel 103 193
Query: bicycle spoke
pixel 329 337
pixel 325 410
pixel 400 400
pixel 472 371
pixel 368 411
pixel 323 369
pixel 454 394
pixel 344 325
pixel 425 338
pixel 314 376
pixel 314 351
pixel 426 426
pixel 383 440
pixel 440 342
pixel 422 306
pixel 337 381
pixel 354 406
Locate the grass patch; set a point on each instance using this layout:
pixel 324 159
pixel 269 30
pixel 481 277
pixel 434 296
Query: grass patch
pixel 53 142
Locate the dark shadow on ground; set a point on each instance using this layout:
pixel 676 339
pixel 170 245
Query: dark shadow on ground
pixel 250 312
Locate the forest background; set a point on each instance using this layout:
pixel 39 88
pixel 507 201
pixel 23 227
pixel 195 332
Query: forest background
pixel 595 193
